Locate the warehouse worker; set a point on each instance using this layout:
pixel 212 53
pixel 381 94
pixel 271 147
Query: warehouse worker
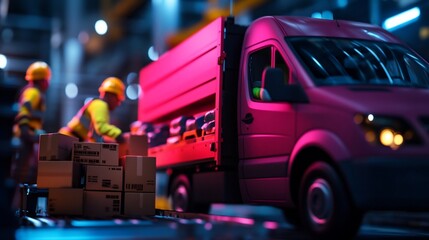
pixel 28 122
pixel 91 123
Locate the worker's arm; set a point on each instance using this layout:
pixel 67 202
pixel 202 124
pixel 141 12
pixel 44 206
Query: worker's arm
pixel 29 100
pixel 99 113
pixel 28 103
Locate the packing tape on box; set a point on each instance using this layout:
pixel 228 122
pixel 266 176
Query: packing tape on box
pixel 139 166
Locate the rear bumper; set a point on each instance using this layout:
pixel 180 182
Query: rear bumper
pixel 388 183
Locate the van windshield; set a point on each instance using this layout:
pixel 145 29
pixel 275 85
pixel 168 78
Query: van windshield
pixel 334 61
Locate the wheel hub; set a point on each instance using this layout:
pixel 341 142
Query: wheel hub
pixel 320 201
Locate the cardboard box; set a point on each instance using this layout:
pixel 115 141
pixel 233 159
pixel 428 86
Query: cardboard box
pixel 55 146
pixel 139 173
pixel 58 174
pixel 65 201
pixel 134 145
pixel 139 204
pixel 96 153
pixel 104 178
pixel 102 204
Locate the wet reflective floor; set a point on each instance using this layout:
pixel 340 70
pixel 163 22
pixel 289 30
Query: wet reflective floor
pixel 226 222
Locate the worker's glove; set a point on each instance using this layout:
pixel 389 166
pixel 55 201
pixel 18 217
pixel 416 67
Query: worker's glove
pixel 120 138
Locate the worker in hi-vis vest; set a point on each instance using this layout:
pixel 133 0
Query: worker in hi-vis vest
pixel 92 122
pixel 28 122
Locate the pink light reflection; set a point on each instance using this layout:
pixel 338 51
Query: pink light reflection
pixel 271 225
pixel 240 220
pixel 134 221
pixel 118 221
pixel 199 221
pixel 208 226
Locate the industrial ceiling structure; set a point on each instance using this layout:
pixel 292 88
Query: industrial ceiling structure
pixel 62 33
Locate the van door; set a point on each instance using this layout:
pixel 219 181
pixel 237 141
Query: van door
pixel 266 130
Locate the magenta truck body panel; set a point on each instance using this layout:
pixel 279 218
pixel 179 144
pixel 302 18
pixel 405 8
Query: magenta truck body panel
pixel 166 82
pixel 185 81
pixel 297 103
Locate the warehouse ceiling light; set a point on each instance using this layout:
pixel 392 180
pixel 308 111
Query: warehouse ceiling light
pixel 132 77
pixel 327 15
pixel 101 27
pixel 3 61
pixel 401 19
pixel 133 91
pixel 152 54
pixel 316 15
pixel 342 3
pixel 71 90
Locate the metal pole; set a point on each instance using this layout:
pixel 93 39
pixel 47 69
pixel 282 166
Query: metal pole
pixel 374 10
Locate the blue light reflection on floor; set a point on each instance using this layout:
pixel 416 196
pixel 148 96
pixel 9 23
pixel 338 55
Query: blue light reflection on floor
pixel 226 222
pixel 108 223
pixel 107 233
pixel 158 228
pixel 161 227
pixel 99 229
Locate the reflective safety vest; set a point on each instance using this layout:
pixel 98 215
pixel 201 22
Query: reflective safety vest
pixel 91 123
pixel 31 109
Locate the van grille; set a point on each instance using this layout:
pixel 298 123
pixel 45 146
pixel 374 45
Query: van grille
pixel 425 123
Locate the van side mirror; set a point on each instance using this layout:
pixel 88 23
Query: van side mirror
pixel 272 82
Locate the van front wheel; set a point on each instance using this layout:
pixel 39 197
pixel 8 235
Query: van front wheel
pixel 324 206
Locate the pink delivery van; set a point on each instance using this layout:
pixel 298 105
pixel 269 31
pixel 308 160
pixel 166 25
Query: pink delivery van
pixel 325 119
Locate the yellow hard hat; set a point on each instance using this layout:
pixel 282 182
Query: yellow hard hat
pixel 113 85
pixel 38 71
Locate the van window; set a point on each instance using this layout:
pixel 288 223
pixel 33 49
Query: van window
pixel 334 61
pixel 280 63
pixel 258 61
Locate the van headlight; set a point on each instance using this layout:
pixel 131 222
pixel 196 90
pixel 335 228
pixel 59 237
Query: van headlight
pixel 387 131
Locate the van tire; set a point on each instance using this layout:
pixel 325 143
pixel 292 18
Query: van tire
pixel 324 206
pixel 180 193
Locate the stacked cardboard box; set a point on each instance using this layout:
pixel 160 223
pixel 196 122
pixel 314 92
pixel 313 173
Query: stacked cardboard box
pixel 103 178
pixel 133 145
pixel 139 177
pixel 89 180
pixel 65 201
pixel 139 185
pixel 60 175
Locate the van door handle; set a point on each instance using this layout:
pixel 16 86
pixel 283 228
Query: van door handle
pixel 248 119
